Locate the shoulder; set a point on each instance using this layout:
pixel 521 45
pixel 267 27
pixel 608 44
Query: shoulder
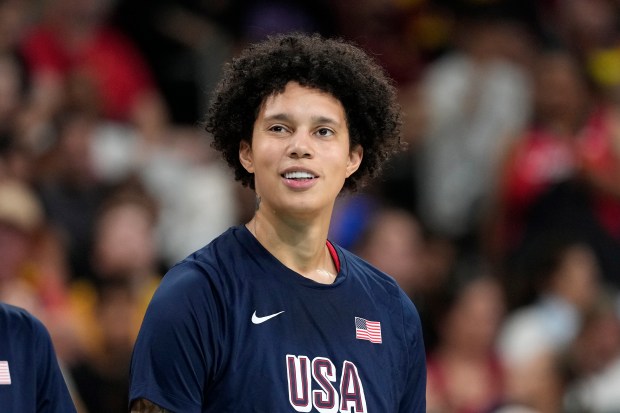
pixel 26 331
pixel 205 277
pixel 17 319
pixel 208 264
pixel 381 287
pixel 227 245
pixel 11 313
pixel 363 272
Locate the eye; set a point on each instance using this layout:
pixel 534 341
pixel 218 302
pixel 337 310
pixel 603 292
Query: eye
pixel 325 132
pixel 277 128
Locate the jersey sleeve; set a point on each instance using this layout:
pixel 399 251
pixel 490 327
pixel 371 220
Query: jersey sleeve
pixel 177 350
pixel 414 394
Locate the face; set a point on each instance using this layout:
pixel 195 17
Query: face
pixel 300 153
pixel 125 242
pixel 395 246
pixel 475 318
pixel 14 250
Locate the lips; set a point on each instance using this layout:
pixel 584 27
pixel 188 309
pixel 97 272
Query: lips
pixel 299 179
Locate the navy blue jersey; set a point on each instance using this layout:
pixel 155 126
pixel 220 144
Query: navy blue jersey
pixel 231 329
pixel 30 379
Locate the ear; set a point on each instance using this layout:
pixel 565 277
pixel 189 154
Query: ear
pixel 245 156
pixel 355 159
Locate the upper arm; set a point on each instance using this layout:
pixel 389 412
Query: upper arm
pixel 414 395
pixel 174 357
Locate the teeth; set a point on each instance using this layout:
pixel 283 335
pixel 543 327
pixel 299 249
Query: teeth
pixel 298 175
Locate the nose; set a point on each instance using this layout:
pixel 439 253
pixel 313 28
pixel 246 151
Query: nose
pixel 300 145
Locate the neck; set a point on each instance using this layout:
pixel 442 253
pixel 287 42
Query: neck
pixel 299 246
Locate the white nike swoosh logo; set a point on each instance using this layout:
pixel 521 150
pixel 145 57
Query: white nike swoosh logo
pixel 258 320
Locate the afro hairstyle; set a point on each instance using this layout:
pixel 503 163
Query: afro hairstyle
pixel 334 66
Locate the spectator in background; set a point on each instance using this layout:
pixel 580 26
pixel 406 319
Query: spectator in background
pixel 70 189
pixel 477 98
pixel 76 57
pixel 125 245
pixel 49 273
pixel 465 374
pixel 102 377
pixel 584 26
pixel 563 172
pixel 124 254
pixel 15 15
pixel 15 160
pixel 567 282
pixel 594 359
pixel 543 155
pixel 393 242
pixel 12 78
pixel 112 304
pixel 21 216
pixel 195 195
pixel 102 122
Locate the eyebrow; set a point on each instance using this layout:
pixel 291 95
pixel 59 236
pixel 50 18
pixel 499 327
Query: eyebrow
pixel 285 117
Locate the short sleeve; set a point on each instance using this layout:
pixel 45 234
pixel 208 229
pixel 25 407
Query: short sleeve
pixel 414 395
pixel 176 352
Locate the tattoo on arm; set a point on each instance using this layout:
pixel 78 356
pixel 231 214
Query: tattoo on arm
pixel 145 406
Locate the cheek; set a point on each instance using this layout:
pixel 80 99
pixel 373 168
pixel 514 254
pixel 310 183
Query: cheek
pixel 264 166
pixel 263 159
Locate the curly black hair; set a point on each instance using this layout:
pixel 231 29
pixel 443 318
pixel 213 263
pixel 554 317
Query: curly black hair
pixel 331 65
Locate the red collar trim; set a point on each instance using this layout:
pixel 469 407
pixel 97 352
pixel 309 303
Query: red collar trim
pixel 334 254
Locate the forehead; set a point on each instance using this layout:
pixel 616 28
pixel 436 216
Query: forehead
pixel 296 97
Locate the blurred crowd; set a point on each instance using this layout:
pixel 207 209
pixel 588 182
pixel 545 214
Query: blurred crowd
pixel 501 219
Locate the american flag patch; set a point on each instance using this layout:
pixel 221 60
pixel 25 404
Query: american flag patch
pixel 367 330
pixel 5 375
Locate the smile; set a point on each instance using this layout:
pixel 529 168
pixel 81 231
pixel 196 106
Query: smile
pixel 298 175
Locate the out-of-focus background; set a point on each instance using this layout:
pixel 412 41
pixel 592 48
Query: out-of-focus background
pixel 501 220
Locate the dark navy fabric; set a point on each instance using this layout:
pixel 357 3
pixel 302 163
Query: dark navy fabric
pixel 36 382
pixel 200 351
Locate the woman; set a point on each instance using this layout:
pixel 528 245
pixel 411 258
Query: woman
pixel 271 316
